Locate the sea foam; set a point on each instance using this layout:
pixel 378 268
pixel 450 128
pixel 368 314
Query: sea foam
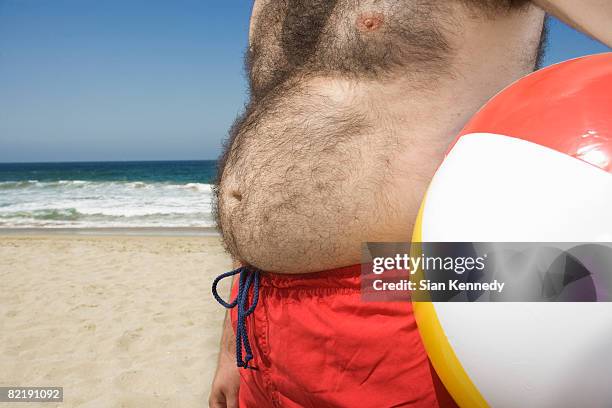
pixel 80 203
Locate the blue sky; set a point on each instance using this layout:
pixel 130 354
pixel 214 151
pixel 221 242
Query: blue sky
pixel 135 79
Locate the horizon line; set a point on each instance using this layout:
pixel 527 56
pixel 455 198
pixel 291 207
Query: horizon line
pixel 105 161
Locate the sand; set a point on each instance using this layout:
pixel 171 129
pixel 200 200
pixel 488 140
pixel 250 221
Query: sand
pixel 118 321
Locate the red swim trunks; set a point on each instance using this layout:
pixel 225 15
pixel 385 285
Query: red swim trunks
pixel 317 344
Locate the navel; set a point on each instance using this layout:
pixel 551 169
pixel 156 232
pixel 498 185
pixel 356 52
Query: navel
pixel 236 195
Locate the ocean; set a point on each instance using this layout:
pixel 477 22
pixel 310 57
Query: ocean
pixel 173 194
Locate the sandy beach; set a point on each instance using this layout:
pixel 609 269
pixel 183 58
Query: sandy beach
pixel 117 320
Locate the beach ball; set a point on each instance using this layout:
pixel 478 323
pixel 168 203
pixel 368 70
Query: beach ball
pixel 533 165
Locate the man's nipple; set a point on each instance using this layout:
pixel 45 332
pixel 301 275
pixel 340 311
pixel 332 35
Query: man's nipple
pixel 369 21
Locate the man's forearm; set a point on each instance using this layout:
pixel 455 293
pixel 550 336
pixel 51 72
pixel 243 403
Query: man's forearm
pixel 593 17
pixel 228 340
pixel 224 390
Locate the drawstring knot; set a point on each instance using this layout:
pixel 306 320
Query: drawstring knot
pixel 247 278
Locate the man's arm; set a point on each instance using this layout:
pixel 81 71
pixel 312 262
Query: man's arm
pixel 592 17
pixel 224 390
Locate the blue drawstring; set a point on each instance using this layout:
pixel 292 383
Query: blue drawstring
pixel 244 283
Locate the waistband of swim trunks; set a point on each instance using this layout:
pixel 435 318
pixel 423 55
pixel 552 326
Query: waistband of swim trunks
pixel 345 277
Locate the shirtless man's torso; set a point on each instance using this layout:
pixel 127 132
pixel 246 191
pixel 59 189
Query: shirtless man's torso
pixel 353 104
